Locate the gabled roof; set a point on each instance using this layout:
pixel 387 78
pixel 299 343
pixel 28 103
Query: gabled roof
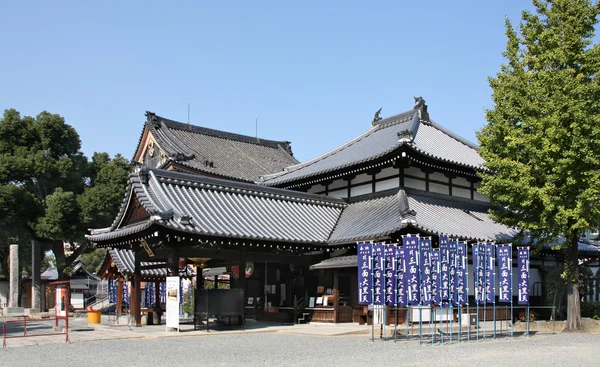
pixel 411 129
pixel 392 211
pixel 216 152
pixel 215 207
pixel 124 261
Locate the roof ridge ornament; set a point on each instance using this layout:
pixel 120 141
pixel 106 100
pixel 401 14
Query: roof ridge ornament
pixel 377 116
pixel 422 108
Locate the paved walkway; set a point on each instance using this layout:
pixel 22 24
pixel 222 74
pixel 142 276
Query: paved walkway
pixel 80 331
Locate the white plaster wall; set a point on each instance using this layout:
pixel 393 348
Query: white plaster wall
pixel 387 184
pixel 414 184
pixel 339 193
pixel 463 193
pixel 414 171
pixel 438 188
pixel 316 188
pixel 337 184
pixel 438 176
pixel 388 171
pixel 461 181
pixel 479 197
pixel 363 177
pixel 361 190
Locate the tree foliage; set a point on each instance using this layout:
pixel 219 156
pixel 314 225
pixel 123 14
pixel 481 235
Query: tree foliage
pixel 542 140
pixel 49 191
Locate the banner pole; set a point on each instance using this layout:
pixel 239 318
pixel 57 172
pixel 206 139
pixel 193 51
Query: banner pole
pixel 510 265
pixel 467 288
pixel 372 295
pixel 485 289
pixel 493 251
pixel 441 297
pixel 528 254
pixel 477 290
pixel 456 260
pixel 419 265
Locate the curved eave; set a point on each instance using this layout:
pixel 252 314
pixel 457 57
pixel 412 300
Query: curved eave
pixel 369 237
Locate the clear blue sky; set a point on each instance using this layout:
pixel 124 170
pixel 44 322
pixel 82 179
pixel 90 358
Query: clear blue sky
pixel 312 72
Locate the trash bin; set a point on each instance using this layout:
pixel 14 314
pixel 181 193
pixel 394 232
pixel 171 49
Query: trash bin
pixel 94 317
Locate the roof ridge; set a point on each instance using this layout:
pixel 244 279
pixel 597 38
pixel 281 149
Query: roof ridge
pixel 453 135
pixel 242 187
pixel 222 134
pixel 380 125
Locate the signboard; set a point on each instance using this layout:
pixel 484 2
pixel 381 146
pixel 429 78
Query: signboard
pixel 172 303
pixel 452 272
pixel 461 274
pixel 523 257
pixel 378 274
pixel 390 275
pixel 425 267
pixel 444 269
pixel 61 304
pixel 401 276
pixel 435 276
pixel 490 275
pixel 411 252
pixel 504 254
pixel 364 274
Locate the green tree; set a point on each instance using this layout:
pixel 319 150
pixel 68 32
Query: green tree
pixel 542 140
pixel 49 191
pixel 93 259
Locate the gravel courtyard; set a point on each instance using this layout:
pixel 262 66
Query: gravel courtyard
pixel 280 349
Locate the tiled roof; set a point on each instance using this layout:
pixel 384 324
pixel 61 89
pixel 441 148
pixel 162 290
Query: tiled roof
pixel 368 219
pixel 431 213
pixel 383 138
pixel 336 263
pixel 215 207
pixel 124 260
pixel 218 152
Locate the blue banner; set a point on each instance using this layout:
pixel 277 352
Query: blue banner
pixel 163 293
pixel 364 274
pixel 390 275
pixel 444 270
pixel 479 273
pixel 461 273
pixel 112 291
pixel 126 293
pixel 181 291
pixel 401 276
pixel 425 270
pixel 411 249
pixel 149 294
pixel 452 271
pixel 378 274
pixel 504 255
pixel 435 276
pixel 490 273
pixel 523 257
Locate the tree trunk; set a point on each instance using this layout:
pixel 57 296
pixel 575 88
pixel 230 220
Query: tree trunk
pixel 58 249
pixel 573 297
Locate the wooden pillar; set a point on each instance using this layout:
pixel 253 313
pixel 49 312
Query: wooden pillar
pixel 136 294
pixel 242 276
pixel 216 282
pixel 136 300
pixel 336 295
pixel 119 297
pixel 157 294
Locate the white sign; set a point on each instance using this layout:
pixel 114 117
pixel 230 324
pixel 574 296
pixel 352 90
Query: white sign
pixel 173 303
pixel 61 304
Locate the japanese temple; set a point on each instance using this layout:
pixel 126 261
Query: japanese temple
pixel 216 199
